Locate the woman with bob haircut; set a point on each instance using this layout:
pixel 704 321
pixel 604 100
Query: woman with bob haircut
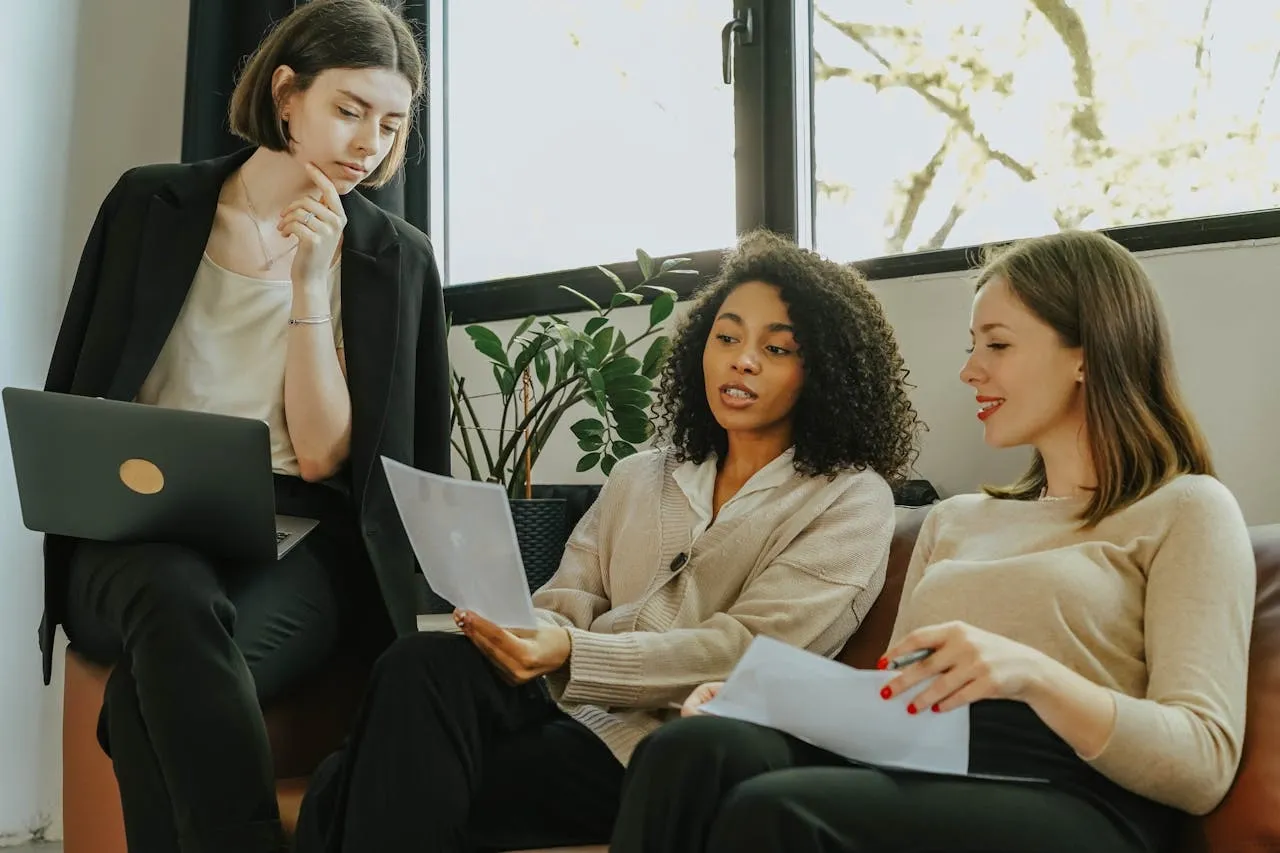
pixel 1094 616
pixel 767 510
pixel 258 285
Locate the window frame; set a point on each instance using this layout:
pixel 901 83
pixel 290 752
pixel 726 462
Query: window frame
pixel 774 147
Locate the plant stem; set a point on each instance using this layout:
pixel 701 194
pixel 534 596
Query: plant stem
pixel 461 395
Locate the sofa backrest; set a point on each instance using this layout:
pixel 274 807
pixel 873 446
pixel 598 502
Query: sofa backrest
pixel 1248 819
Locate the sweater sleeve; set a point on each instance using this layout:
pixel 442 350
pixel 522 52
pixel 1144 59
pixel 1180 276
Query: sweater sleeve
pixel 797 598
pixel 576 594
pixel 1181 743
pixel 921 554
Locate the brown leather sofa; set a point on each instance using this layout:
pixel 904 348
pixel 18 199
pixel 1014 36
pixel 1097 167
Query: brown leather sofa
pixel 309 725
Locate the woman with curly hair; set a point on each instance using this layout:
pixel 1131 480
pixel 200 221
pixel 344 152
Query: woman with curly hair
pixel 1092 619
pixel 770 512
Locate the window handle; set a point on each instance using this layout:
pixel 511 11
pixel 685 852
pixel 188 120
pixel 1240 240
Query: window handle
pixel 743 26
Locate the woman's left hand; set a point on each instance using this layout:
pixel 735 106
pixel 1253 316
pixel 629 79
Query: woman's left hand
pixel 520 655
pixel 317 225
pixel 970 664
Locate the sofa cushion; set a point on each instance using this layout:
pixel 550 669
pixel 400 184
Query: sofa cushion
pixel 1248 818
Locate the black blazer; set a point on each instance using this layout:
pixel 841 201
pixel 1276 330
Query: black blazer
pixel 135 271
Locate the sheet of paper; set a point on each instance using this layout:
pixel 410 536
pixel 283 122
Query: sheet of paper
pixel 465 541
pixel 839 709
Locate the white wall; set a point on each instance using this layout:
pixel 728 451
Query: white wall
pixel 109 96
pixel 33 46
pixel 1222 302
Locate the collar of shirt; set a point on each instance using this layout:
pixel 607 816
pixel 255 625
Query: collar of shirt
pixel 698 482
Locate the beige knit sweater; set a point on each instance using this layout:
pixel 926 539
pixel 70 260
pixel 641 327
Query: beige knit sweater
pixel 1154 604
pixel 648 625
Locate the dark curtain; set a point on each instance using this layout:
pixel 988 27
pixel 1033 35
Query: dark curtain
pixel 221 35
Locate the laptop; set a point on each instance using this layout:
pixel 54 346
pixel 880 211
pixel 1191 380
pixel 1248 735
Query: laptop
pixel 111 471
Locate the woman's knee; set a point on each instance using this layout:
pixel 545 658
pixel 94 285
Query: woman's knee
pixel 129 587
pixel 704 744
pixel 427 654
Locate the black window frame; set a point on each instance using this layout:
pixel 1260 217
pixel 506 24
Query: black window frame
pixel 767 160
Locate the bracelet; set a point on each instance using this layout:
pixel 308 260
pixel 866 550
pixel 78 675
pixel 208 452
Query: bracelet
pixel 310 321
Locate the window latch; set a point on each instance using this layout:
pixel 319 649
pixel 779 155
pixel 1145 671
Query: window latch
pixel 740 31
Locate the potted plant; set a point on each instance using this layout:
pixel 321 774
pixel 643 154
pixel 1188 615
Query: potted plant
pixel 547 367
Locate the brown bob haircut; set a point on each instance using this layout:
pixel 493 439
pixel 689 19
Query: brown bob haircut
pixel 314 38
pixel 1096 296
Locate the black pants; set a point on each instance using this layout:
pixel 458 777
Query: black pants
pixel 448 757
pixel 724 786
pixel 198 647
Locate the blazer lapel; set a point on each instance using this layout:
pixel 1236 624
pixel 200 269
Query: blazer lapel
pixel 174 238
pixel 370 326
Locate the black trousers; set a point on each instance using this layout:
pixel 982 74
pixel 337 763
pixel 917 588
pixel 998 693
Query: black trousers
pixel 724 786
pixel 446 756
pixel 198 647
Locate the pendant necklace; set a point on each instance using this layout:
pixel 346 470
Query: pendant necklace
pixel 267 260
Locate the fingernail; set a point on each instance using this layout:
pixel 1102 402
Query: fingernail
pixel 936 709
pixel 911 709
pixel 885 692
pixel 882 663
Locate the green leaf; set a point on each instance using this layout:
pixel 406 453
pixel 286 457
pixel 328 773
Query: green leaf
pixel 636 434
pixel 591 442
pixel 562 363
pixel 606 465
pixel 596 380
pixel 587 427
pixel 646 263
pixel 683 272
pixel 603 343
pixel 657 354
pixel 621 449
pixel 627 397
pixel 661 308
pixel 671 263
pixel 487 343
pixel 619 342
pixel 588 462
pixel 520 330
pixel 622 365
pixel 629 382
pixel 505 379
pixel 620 299
pixel 542 367
pixel 657 288
pixel 582 296
pixel 617 282
pixel 594 325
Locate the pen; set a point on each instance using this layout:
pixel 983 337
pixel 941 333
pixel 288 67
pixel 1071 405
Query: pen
pixel 911 657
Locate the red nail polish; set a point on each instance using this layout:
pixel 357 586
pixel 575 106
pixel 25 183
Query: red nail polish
pixel 936 709
pixel 911 709
pixel 885 692
pixel 882 663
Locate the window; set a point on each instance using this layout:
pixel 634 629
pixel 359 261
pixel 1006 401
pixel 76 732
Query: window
pixel 942 123
pixel 576 131
pixel 897 134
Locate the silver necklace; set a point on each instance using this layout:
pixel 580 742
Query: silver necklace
pixel 267 260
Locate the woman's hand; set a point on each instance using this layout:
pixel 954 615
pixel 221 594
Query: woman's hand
pixel 698 698
pixel 317 225
pixel 520 655
pixel 970 664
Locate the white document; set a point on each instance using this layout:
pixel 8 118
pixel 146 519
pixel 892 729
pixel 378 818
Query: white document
pixel 465 541
pixel 839 709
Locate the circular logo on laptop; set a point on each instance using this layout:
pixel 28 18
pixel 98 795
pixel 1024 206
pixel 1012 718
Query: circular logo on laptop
pixel 141 476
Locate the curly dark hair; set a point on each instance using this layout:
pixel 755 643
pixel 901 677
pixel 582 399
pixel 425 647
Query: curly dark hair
pixel 853 410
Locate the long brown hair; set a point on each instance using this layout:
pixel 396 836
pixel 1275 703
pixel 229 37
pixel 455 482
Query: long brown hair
pixel 1096 296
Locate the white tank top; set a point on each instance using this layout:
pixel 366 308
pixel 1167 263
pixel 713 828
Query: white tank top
pixel 226 352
